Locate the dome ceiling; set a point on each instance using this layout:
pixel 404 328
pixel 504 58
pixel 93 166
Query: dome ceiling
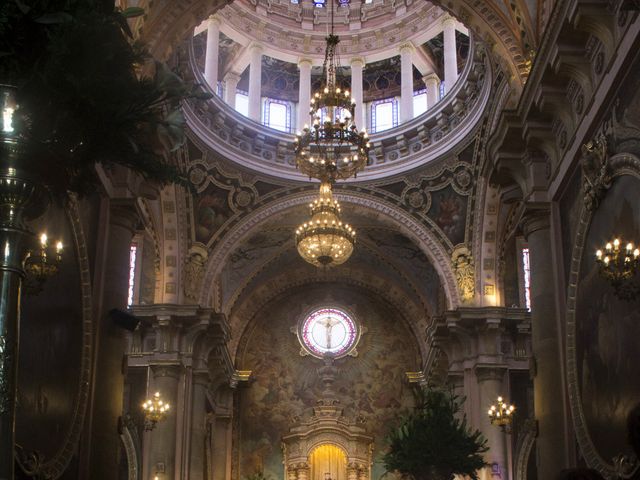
pixel 291 31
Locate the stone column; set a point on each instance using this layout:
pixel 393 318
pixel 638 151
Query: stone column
pixel 432 82
pixel 450 53
pixel 198 425
pixel 255 82
pixel 221 445
pixel 352 471
pixel 357 67
pixel 303 471
pixel 211 55
pixel 549 399
pixel 163 437
pixel 406 89
pixel 230 86
pixel 304 93
pixel 363 473
pixel 490 380
pixel 112 280
pixel 292 474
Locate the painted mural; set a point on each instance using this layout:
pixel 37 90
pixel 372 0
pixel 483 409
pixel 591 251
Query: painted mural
pixel 211 211
pixel 371 386
pixel 449 211
pixel 608 329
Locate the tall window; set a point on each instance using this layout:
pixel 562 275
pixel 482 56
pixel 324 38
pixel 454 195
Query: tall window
pixel 242 103
pixel 419 102
pixel 277 114
pixel 526 268
pixel 384 114
pixel 133 252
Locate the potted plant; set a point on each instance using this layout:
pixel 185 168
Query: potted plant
pixel 78 91
pixel 433 441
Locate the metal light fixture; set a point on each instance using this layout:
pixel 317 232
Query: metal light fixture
pixel 41 264
pixel 501 413
pixel 155 410
pixel 620 267
pixel 332 148
pixel 325 240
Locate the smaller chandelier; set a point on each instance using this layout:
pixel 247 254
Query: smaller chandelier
pixel 619 267
pixel 41 264
pixel 155 410
pixel 325 240
pixel 501 413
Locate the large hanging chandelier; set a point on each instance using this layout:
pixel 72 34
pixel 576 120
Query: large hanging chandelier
pixel 325 240
pixel 330 149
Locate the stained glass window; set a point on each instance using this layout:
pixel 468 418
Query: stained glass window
pixel 419 102
pixel 242 103
pixel 384 114
pixel 526 267
pixel 328 332
pixel 133 251
pixel 277 114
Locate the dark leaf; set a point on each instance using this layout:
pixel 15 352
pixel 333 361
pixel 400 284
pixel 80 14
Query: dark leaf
pixel 132 12
pixel 54 18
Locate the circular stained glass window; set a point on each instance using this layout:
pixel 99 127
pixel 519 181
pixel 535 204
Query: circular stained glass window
pixel 328 332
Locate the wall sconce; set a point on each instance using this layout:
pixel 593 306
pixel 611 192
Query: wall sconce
pixel 501 414
pixel 619 267
pixel 155 410
pixel 41 264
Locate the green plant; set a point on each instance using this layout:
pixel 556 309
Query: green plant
pixel 88 93
pixel 433 441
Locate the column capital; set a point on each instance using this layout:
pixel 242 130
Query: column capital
pixel 232 77
pixel 304 61
pixel 256 47
pixel 214 20
pixel 357 62
pixel 407 48
pixel 449 21
pixel 490 372
pixel 431 77
pixel 535 217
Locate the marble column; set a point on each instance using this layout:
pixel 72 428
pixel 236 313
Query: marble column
pixel 432 83
pixel 490 386
pixel 162 452
pixel 304 93
pixel 198 425
pixel 230 86
pixel 357 67
pixel 255 82
pixel 112 279
pixel 450 53
pixel 549 399
pixel 406 89
pixel 211 54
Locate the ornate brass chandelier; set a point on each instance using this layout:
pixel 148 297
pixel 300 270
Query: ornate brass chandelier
pixel 331 149
pixel 325 240
pixel 155 410
pixel 620 267
pixel 501 413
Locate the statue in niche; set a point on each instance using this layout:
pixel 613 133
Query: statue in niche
pixel 194 270
pixel 465 273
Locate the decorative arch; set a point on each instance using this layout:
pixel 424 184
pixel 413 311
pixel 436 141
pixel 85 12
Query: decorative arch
pixel 418 232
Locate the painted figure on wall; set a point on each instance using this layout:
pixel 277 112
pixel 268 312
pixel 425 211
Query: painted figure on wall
pixel 211 212
pixel 449 210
